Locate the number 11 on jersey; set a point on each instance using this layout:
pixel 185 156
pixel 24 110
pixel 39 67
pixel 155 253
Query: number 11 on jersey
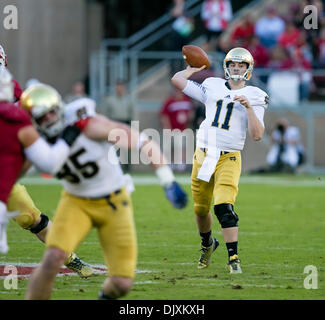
pixel 225 124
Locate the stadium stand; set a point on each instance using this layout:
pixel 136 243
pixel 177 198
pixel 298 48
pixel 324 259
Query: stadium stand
pixel 143 58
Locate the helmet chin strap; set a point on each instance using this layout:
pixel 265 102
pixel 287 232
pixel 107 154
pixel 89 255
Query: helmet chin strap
pixel 236 77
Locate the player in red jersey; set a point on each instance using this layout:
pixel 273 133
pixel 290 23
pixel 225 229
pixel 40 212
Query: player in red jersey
pixel 30 217
pixel 20 141
pixel 3 62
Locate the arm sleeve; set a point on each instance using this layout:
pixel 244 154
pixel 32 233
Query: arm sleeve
pixel 259 112
pixel 46 158
pixel 196 91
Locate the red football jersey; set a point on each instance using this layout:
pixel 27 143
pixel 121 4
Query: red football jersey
pixel 12 158
pixel 178 112
pixel 17 90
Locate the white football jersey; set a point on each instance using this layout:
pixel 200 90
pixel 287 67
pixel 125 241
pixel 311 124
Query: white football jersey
pixel 92 169
pixel 225 123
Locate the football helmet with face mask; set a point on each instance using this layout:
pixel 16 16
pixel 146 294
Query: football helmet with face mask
pixel 241 55
pixel 45 105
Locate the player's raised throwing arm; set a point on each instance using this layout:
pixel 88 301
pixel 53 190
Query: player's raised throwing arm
pixel 190 88
pixel 179 80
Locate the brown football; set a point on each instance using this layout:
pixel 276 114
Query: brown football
pixel 195 56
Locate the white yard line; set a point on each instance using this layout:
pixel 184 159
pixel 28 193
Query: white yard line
pixel 98 269
pixel 152 180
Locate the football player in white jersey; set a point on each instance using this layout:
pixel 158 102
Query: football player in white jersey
pixel 231 108
pixel 95 193
pixel 29 217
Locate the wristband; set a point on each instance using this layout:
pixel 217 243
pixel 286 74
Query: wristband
pixel 165 175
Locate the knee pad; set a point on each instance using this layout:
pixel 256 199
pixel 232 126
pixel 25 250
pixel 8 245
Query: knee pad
pixel 25 220
pixel 201 210
pixel 226 215
pixel 42 225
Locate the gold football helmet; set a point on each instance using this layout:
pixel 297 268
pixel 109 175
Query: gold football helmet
pixel 239 55
pixel 45 105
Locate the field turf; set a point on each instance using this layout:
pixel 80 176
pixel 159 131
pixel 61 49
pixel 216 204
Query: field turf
pixel 282 230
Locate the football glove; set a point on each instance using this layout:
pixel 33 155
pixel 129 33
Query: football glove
pixel 176 195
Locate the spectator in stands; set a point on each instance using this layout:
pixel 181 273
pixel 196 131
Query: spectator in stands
pixel 303 47
pixel 320 8
pixel 280 59
pixel 321 48
pixel 296 11
pixel 119 106
pixel 182 28
pixel 224 45
pixel 78 91
pixel 243 31
pixel 296 61
pixel 303 59
pixel 287 151
pixel 177 113
pixel 258 51
pixel 268 28
pixel 215 14
pixel 290 36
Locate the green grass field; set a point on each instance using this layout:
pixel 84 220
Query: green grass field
pixel 282 230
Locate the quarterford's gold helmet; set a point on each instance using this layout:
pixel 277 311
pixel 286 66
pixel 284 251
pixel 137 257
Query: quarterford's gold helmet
pixel 39 100
pixel 239 55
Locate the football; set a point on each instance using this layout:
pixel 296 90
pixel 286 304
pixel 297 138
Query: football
pixel 195 56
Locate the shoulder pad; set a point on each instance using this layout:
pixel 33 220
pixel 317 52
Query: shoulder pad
pixel 14 114
pixel 213 81
pixel 258 97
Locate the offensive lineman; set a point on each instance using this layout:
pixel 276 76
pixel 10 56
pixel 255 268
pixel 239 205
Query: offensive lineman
pixel 20 141
pixel 30 217
pixel 95 194
pixel 231 109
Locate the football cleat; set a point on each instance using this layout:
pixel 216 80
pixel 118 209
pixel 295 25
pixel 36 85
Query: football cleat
pixel 74 263
pixel 206 253
pixel 234 264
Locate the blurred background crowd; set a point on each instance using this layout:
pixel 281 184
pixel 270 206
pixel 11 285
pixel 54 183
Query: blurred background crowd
pixel 122 55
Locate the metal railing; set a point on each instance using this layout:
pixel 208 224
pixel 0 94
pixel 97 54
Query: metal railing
pixel 110 63
pixel 307 110
pixel 152 32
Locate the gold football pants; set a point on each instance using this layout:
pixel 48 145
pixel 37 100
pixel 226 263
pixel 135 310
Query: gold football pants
pixel 113 219
pixel 223 185
pixel 19 200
